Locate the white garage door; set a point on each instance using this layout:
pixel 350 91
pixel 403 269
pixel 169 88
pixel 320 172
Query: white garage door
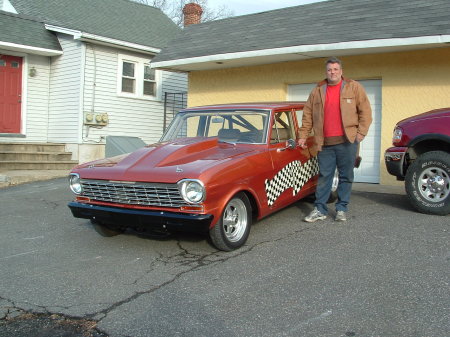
pixel 369 171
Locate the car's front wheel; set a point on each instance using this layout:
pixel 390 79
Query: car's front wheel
pixel 233 228
pixel 427 183
pixel 104 229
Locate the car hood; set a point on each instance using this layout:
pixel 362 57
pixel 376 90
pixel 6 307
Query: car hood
pixel 165 162
pixel 440 113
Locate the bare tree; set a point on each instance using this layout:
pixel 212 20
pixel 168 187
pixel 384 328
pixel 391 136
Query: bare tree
pixel 174 9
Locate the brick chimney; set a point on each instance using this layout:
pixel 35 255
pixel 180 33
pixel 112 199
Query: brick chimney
pixel 192 13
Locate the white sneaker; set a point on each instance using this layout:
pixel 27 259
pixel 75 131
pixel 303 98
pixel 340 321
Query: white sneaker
pixel 340 216
pixel 315 215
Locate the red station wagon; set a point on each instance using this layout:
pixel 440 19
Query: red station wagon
pixel 215 170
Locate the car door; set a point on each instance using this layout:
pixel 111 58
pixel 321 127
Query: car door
pixel 293 166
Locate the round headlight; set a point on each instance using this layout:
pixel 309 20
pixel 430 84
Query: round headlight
pixel 75 183
pixel 192 191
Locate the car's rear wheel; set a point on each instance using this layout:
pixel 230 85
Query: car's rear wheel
pixel 105 229
pixel 427 183
pixel 233 227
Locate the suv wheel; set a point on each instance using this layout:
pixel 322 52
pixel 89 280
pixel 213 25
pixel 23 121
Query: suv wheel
pixel 427 183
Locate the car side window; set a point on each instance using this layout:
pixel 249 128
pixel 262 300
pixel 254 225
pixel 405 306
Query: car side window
pixel 282 129
pixel 299 114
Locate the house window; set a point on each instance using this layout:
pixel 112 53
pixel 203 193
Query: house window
pixel 2 63
pixel 128 78
pixel 137 79
pixel 149 81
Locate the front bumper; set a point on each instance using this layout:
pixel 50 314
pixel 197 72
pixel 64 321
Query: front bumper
pixel 394 158
pixel 143 219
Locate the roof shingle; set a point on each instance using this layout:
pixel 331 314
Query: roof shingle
pixel 117 19
pixel 324 22
pixel 12 28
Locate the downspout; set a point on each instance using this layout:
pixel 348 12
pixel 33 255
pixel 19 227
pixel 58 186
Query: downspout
pixel 50 81
pixel 81 99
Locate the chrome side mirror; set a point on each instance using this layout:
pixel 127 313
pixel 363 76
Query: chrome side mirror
pixel 291 144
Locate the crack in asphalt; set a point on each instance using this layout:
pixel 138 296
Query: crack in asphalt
pixel 198 260
pixel 52 204
pixel 45 321
pixel 9 305
pixel 184 258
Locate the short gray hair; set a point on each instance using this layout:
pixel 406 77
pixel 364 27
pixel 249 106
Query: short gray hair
pixel 333 60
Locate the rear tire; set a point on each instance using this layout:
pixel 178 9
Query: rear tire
pixel 427 183
pixel 233 228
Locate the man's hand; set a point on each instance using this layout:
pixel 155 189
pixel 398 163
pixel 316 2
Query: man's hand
pixel 302 143
pixel 359 137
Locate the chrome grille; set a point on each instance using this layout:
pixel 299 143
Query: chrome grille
pixel 148 194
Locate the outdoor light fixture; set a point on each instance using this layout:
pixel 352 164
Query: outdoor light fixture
pixel 32 72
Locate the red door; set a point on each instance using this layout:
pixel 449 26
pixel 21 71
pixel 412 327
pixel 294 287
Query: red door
pixel 10 93
pixel 293 167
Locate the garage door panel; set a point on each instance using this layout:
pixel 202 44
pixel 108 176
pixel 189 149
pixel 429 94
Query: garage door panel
pixel 369 170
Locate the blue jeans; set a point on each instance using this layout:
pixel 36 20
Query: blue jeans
pixel 343 157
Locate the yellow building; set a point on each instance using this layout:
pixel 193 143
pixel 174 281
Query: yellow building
pixel 403 62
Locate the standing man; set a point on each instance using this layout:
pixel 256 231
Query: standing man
pixel 339 112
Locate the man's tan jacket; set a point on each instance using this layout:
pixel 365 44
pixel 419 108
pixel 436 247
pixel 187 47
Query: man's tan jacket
pixel 356 112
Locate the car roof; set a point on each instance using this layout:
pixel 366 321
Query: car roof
pixel 254 105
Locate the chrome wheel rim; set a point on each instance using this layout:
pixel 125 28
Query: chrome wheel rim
pixel 235 220
pixel 434 184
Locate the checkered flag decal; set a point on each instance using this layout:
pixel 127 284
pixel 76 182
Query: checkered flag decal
pixel 293 175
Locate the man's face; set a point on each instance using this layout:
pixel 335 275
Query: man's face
pixel 334 73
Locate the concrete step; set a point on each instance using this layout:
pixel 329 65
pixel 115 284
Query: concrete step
pixel 15 177
pixel 33 165
pixel 34 156
pixel 32 147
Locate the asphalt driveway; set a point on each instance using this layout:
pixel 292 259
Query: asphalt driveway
pixel 385 272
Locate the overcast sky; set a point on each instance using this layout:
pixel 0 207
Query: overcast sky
pixel 241 7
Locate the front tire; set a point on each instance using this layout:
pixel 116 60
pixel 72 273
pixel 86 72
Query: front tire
pixel 427 183
pixel 233 228
pixel 105 230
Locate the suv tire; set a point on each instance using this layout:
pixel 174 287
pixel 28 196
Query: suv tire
pixel 427 183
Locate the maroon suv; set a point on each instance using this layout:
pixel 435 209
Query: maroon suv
pixel 421 157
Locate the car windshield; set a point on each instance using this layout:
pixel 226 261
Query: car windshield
pixel 237 126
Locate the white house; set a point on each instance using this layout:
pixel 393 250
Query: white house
pixel 75 72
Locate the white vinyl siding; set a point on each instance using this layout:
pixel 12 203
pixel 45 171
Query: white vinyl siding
pixel 37 98
pixel 174 82
pixel 370 148
pixel 127 116
pixel 59 96
pixel 65 92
